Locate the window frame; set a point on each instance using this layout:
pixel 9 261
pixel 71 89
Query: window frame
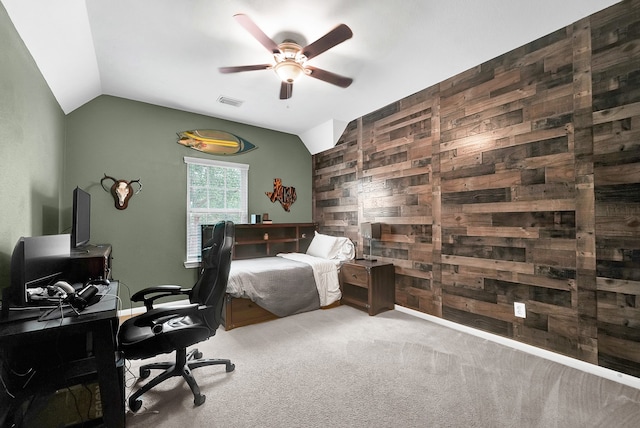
pixel 191 262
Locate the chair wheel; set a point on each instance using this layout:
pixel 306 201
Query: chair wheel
pixel 144 373
pixel 231 367
pixel 135 405
pixel 199 399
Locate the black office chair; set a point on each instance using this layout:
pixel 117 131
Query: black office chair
pixel 174 328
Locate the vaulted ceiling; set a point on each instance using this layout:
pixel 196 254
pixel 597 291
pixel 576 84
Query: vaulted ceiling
pixel 167 52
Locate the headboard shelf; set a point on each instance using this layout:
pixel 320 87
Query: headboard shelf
pixel 264 240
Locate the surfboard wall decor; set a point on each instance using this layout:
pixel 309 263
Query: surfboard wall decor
pixel 214 142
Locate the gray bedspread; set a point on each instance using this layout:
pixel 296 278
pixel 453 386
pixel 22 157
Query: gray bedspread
pixel 281 286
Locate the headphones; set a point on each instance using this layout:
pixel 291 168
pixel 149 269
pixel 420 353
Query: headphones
pixel 60 289
pixel 67 293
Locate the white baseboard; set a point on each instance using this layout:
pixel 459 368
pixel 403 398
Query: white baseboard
pixel 603 372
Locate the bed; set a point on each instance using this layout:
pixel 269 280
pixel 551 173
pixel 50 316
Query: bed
pixel 265 288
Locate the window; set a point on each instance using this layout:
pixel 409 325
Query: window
pixel 216 191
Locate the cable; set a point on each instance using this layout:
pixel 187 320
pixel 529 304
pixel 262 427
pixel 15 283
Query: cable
pixel 30 372
pixel 134 378
pixel 118 308
pixel 128 290
pixel 33 373
pixel 21 374
pixel 46 315
pixel 122 304
pixel 4 385
pixel 91 399
pixel 75 402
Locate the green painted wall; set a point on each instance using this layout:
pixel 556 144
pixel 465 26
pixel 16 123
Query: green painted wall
pixel 31 147
pixel 130 140
pixel 44 155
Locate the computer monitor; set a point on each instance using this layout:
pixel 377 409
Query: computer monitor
pixel 81 218
pixel 35 262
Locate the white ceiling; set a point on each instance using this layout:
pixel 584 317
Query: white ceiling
pixel 167 52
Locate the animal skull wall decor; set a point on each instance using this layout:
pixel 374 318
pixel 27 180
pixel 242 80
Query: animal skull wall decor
pixel 121 190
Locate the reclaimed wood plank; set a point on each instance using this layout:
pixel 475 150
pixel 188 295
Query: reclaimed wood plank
pixel 618 174
pixel 527 206
pixel 617 113
pixel 621 348
pixel 618 286
pixel 502 265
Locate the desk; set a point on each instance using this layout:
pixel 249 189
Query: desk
pixel 98 323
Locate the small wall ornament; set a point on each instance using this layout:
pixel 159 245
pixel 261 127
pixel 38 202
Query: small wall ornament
pixel 121 190
pixel 286 195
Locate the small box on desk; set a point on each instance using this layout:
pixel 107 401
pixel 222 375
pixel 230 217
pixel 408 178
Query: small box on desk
pixel 90 262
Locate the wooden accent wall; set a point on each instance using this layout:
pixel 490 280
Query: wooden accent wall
pixel 515 181
pixel 615 70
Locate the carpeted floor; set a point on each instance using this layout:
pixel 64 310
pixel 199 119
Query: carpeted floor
pixel 343 368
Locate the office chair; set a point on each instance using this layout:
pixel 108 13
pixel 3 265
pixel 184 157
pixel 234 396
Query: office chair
pixel 174 328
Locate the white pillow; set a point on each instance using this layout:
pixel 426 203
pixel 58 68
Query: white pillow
pixel 324 246
pixel 346 250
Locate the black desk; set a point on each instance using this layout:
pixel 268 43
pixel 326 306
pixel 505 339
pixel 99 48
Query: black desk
pixel 99 324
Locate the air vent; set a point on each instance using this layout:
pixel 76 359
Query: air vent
pixel 230 101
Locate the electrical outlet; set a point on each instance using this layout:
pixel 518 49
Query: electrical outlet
pixel 519 310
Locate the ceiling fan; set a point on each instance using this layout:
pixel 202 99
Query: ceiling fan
pixel 291 59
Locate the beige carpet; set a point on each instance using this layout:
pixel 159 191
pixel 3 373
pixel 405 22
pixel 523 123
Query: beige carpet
pixel 343 368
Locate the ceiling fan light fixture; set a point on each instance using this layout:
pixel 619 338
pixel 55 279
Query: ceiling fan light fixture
pixel 288 70
pixel 289 58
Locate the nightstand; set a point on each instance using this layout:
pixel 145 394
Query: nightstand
pixel 368 285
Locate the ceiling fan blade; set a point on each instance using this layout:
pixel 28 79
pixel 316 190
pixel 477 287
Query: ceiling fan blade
pixel 329 77
pixel 329 40
pixel 286 90
pixel 244 68
pixel 257 33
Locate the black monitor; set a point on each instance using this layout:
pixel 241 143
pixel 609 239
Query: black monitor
pixel 81 218
pixel 36 262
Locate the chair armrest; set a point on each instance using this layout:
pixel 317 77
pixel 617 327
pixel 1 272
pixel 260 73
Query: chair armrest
pixel 160 315
pixel 151 294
